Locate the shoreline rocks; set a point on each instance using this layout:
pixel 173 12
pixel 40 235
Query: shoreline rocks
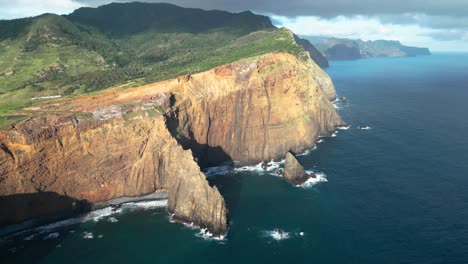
pixel 294 173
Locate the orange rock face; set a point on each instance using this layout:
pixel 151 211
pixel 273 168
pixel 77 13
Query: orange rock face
pixel 123 143
pixel 255 110
pixel 93 162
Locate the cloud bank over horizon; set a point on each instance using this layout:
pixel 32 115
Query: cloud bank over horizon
pixel 439 25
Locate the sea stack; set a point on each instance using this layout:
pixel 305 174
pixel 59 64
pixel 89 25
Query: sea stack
pixel 294 173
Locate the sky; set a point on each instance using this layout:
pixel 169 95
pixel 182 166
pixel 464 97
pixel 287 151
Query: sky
pixel 441 25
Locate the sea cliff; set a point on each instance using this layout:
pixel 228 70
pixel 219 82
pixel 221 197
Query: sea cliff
pixel 79 151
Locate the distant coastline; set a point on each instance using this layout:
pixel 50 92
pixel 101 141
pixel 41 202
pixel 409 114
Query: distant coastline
pixel 356 49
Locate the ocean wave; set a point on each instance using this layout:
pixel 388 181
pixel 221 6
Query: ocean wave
pixel 320 177
pixel 95 216
pixel 52 236
pixel 31 237
pixel 272 166
pixel 339 102
pixel 146 205
pixel 307 152
pixel 364 127
pixel 219 170
pixel 283 235
pixel 113 220
pixel 274 234
pixel 334 134
pixel 88 235
pixel 344 127
pixel 205 234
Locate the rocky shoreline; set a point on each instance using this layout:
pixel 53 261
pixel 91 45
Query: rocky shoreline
pixel 123 200
pixel 13 229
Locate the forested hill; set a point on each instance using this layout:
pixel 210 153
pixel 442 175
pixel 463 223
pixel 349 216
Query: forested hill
pixel 125 44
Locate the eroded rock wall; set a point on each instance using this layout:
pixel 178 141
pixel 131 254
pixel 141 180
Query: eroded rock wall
pixel 92 161
pixel 257 109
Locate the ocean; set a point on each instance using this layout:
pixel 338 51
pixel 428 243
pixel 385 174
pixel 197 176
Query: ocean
pixel 394 193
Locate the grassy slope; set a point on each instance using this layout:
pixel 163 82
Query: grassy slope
pixel 75 55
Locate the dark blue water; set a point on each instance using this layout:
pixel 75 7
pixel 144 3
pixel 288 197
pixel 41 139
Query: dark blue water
pixel 397 193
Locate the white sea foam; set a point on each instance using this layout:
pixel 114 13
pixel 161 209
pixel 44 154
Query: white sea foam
pixel 52 236
pixel 95 216
pixel 205 234
pixel 272 166
pixel 277 235
pixel 320 177
pixel 100 214
pixel 307 152
pixel 334 134
pixel 365 127
pixel 30 237
pixel 88 235
pixel 319 141
pixel 344 127
pixel 112 220
pixel 146 205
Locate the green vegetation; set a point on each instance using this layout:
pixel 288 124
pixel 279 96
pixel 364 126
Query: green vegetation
pixel 133 44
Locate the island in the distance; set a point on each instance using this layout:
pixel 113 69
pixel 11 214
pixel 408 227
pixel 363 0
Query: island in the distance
pixel 351 49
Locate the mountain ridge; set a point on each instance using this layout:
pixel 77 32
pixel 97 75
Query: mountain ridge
pixel 87 51
pixel 352 49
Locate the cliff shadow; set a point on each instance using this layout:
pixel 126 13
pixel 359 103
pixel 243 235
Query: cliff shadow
pixel 21 213
pixel 230 187
pixel 205 155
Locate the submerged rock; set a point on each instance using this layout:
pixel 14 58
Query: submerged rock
pixel 294 173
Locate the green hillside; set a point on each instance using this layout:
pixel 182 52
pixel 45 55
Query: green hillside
pixel 123 44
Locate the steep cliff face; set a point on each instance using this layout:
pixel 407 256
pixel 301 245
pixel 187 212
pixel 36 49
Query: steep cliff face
pixel 95 161
pixel 256 110
pixel 75 152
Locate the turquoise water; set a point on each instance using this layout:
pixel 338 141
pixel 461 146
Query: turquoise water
pixel 397 193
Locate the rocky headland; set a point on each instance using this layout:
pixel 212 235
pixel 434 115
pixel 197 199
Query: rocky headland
pixel 355 49
pixel 77 152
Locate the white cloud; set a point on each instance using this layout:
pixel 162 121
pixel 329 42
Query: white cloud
pixel 371 28
pixel 23 8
